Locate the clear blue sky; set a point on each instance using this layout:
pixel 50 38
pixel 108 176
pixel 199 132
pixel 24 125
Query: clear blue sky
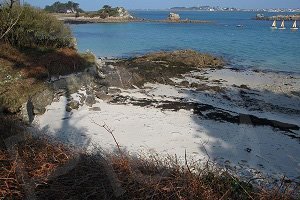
pixel 153 4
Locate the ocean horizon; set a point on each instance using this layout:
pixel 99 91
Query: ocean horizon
pixel 238 38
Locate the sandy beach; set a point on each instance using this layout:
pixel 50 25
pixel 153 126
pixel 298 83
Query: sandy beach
pixel 245 121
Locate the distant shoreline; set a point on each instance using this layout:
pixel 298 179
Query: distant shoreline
pixel 85 20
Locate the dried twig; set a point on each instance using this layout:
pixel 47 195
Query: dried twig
pixel 106 127
pixel 186 163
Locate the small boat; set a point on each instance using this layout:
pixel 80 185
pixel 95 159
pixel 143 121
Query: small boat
pixel 294 27
pixel 282 27
pixel 274 25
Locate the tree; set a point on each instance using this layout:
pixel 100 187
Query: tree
pixel 59 7
pixel 8 18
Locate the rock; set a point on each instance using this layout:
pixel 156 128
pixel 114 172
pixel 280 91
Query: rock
pixel 194 85
pixel 74 82
pixel 27 112
pixel 1 110
pixel 89 91
pixel 174 17
pixel 243 86
pixel 73 104
pixel 124 13
pixel 102 95
pixel 82 99
pixel 41 100
pixel 202 87
pixel 95 109
pixel 114 91
pixel 68 109
pixel 185 84
pixel 90 100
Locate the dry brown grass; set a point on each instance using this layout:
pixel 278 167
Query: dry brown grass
pixel 42 168
pixel 39 63
pixel 23 72
pixel 45 169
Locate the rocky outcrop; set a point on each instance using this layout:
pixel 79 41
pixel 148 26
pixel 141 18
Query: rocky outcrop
pixel 155 68
pixel 174 17
pixel 41 100
pixel 122 12
pixel 90 100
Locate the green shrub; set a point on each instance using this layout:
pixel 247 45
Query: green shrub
pixel 35 28
pixel 108 11
pixel 59 7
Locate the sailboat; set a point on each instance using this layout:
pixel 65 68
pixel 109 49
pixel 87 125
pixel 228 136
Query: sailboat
pixel 282 27
pixel 294 27
pixel 274 25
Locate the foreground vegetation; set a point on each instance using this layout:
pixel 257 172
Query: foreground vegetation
pixel 24 26
pixel 34 47
pixel 41 168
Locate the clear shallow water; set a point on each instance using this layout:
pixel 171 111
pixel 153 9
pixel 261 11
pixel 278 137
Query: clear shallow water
pixel 254 45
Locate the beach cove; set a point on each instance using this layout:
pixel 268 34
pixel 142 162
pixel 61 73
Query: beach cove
pixel 242 120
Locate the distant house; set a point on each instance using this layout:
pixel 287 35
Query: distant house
pixel 69 11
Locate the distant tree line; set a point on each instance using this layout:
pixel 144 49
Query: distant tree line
pixel 59 7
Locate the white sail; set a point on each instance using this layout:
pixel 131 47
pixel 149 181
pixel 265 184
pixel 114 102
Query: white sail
pixel 282 24
pixel 295 24
pixel 294 27
pixel 274 23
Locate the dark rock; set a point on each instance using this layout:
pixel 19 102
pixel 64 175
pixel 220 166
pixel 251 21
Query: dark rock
pixel 95 109
pixel 185 84
pixel 82 98
pixel 194 85
pixel 27 112
pixel 1 110
pixel 90 100
pixel 244 87
pixel 41 100
pixel 68 109
pixel 202 87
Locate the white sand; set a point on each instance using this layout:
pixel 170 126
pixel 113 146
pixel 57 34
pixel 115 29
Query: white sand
pixel 150 130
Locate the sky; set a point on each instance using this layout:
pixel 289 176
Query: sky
pixel 162 4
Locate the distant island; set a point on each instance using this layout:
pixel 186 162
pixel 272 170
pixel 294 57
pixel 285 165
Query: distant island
pixel 71 13
pixel 217 8
pixel 278 17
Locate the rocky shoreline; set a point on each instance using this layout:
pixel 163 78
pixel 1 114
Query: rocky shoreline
pixel 246 120
pixel 73 20
pixel 278 17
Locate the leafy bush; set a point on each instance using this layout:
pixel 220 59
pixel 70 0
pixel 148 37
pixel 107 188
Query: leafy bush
pixel 31 27
pixel 108 11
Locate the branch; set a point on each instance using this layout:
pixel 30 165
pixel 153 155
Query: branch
pixel 13 24
pixel 111 132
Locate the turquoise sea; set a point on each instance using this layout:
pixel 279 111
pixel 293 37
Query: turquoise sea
pixel 254 45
